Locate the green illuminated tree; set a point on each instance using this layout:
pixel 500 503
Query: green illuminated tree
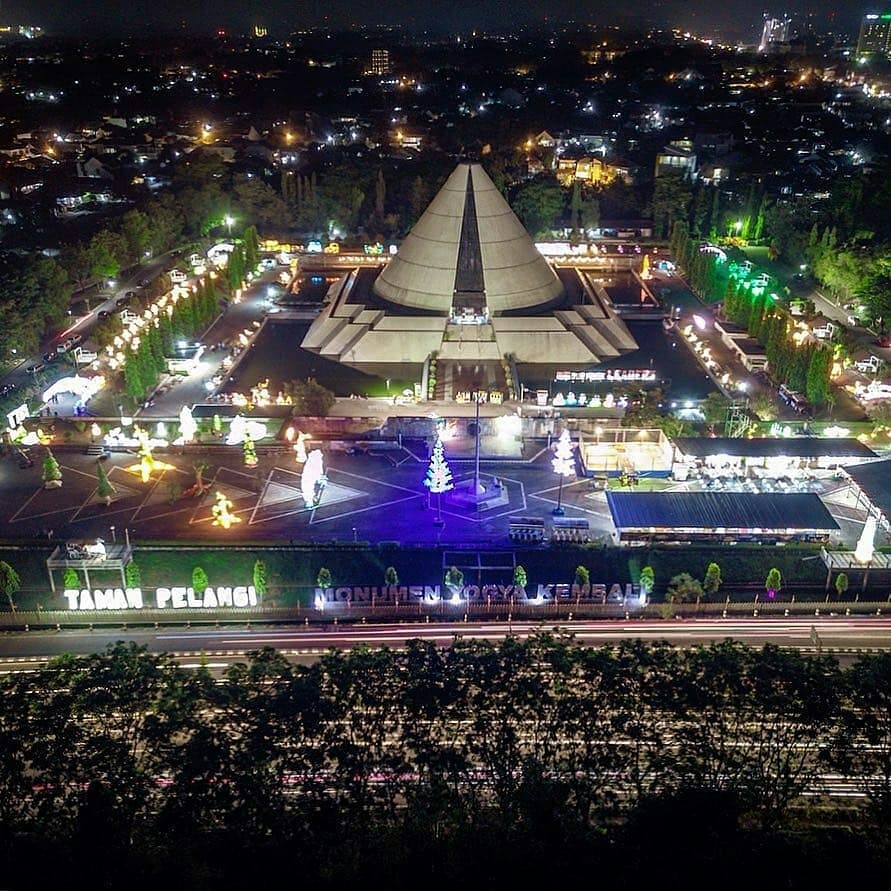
pixel 10 583
pixel 236 268
pixel 133 575
pixel 773 583
pixel 520 579
pixel 261 581
pixel 841 584
pixel 251 244
pixel 391 577
pixel 199 579
pixel 52 473
pixel 104 489
pixel 454 578
pixel 712 582
pixel 323 579
pixel 70 578
pixel 647 581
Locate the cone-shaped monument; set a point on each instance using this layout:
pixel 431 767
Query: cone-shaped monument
pixel 468 286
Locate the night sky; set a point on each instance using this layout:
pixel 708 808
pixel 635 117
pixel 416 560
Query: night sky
pixel 280 16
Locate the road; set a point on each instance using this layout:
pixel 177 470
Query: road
pixel 21 378
pixel 222 646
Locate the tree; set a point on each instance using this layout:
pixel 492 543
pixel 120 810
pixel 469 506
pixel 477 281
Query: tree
pixel 10 583
pixel 520 579
pixel 684 587
pixel 235 270
pixel 862 745
pixel 391 577
pixel 582 576
pixel 323 579
pixel 133 575
pixel 70 579
pixel 818 373
pixel 133 383
pixel 671 199
pixel 439 476
pixel 137 233
pixel 647 582
pixel 841 584
pixel 52 473
pixel 454 578
pixel 251 245
pixel 261 584
pixel 311 399
pixel 104 489
pixel 539 203
pixel 199 579
pixel 714 409
pixel 107 253
pixel 713 580
pixel 563 464
pixel 773 583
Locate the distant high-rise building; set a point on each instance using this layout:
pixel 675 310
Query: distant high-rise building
pixel 875 35
pixel 774 31
pixel 380 62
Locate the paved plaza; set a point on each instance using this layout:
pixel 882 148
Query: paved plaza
pixel 367 498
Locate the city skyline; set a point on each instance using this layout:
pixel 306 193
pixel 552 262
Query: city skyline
pixel 114 16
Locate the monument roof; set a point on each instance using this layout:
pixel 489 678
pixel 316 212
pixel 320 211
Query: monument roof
pixel 468 243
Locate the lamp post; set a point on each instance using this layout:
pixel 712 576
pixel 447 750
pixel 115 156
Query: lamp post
pixel 229 220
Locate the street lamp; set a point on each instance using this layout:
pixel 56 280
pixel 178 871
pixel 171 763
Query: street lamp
pixel 229 220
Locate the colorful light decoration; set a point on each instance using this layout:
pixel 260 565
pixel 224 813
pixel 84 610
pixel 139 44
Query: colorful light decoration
pixel 250 453
pixel 187 425
pixel 313 479
pixel 439 476
pixel 148 464
pixel 563 463
pixel 300 447
pixel 222 512
pixel 241 428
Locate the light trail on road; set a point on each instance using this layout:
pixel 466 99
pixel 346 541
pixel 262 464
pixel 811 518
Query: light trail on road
pixel 847 635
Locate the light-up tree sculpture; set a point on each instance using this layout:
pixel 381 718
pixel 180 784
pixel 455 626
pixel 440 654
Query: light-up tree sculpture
pixel 300 447
pixel 313 479
pixel 148 464
pixel 52 473
pixel 187 424
pixel 439 477
pixel 222 512
pixel 250 453
pixel 105 491
pixel 563 463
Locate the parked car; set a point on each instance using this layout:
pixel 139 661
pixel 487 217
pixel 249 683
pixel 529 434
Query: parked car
pixel 884 340
pixel 37 366
pixel 123 301
pixel 103 314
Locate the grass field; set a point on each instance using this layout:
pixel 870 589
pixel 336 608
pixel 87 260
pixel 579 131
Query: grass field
pixel 292 572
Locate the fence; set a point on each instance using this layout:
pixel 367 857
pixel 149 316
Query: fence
pixel 547 613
